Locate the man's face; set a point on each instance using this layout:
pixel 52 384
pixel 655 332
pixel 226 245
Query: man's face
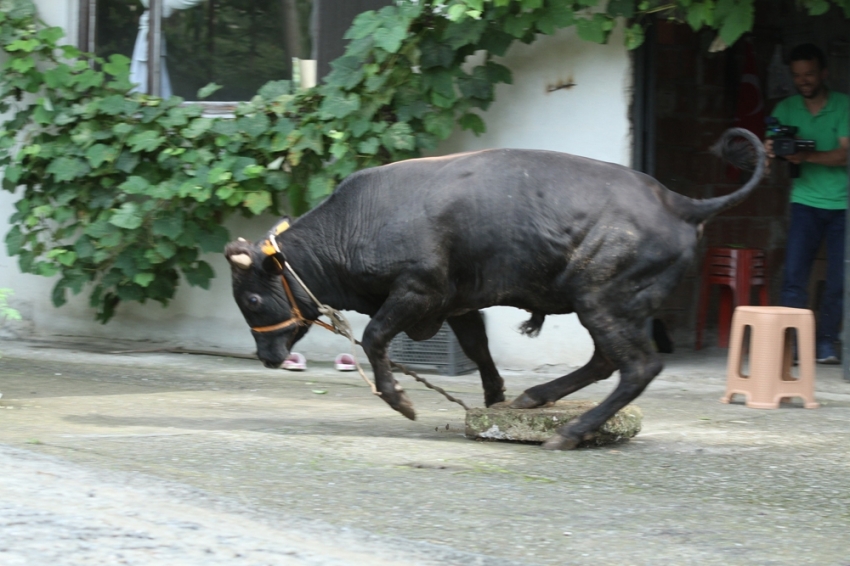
pixel 808 77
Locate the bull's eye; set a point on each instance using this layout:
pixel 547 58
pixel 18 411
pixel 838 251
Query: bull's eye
pixel 253 301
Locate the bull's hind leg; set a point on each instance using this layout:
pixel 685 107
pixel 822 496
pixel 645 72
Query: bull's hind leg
pixel 597 369
pixel 626 343
pixel 472 337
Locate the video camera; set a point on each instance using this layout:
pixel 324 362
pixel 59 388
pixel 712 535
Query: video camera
pixel 784 142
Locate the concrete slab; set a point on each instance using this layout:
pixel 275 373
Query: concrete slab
pixel 500 422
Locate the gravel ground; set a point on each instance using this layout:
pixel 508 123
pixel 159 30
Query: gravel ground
pixel 152 458
pixel 53 512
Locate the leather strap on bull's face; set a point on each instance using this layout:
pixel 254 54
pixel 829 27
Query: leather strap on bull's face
pixel 271 249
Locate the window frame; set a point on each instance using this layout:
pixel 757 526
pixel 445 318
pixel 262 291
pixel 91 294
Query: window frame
pixel 86 41
pixel 323 50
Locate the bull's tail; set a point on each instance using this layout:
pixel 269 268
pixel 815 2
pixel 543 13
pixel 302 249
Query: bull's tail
pixel 748 154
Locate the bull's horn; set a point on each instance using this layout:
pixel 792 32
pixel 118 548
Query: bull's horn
pixel 241 260
pixel 241 239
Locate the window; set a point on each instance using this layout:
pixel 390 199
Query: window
pixel 239 44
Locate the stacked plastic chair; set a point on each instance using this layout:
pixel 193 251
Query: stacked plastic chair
pixel 737 271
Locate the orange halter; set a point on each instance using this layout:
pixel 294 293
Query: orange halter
pixel 271 249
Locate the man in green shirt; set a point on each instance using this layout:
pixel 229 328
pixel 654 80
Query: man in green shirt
pixel 819 194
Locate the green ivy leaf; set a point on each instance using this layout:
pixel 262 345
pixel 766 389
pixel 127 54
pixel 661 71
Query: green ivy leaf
pixel 145 141
pixel 592 29
pixel 168 224
pixel 275 89
pixel 135 185
pixel 398 136
pixel 621 8
pixel 98 154
pixel 199 275
pixel 144 279
pixel 213 239
pixel 254 125
pixel 347 72
pixel 203 93
pixel 59 295
pixel 738 19
pixel 117 66
pixel 68 258
pixel 634 36
pixel 68 168
pixel 472 122
pixel 340 106
pixel 441 81
pixel 820 7
pixel 364 25
pixel 84 247
pixel 441 124
pixel 23 45
pixel 319 187
pixel 197 127
pixel 435 54
pixel 14 241
pixel 257 202
pixel 369 146
pixel 116 104
pixel 128 216
pixel 51 35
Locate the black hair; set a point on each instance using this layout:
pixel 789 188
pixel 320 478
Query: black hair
pixel 807 52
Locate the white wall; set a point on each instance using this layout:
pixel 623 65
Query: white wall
pixel 589 119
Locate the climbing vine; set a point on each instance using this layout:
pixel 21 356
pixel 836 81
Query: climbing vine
pixel 121 192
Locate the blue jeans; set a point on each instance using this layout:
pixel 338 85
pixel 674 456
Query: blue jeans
pixel 808 228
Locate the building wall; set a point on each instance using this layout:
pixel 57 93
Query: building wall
pixel 590 119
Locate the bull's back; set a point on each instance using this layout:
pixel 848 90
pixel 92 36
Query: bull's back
pixel 495 221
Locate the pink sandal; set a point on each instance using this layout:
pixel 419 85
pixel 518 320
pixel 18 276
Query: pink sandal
pixel 344 362
pixel 295 362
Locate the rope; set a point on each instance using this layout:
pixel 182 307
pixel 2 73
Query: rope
pixel 341 326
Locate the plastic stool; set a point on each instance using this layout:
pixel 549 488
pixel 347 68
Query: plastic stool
pixel 770 381
pixel 738 270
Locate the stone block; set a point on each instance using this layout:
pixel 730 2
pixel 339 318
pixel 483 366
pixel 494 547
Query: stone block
pixel 500 422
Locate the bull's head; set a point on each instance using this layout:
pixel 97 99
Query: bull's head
pixel 270 307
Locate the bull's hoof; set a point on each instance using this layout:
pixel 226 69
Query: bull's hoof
pixel 526 401
pixel 402 404
pixel 558 442
pixel 490 401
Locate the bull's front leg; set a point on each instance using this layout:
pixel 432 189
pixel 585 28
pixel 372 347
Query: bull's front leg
pixel 376 339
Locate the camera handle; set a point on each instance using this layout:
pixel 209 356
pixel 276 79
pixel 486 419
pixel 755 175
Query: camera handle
pixel 793 170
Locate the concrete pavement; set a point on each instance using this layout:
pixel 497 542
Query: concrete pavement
pixel 150 458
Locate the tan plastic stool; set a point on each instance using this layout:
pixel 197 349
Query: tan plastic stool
pixel 770 380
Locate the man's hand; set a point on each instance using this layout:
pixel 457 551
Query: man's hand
pixel 768 148
pixel 799 157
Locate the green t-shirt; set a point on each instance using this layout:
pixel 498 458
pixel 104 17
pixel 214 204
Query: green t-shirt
pixel 820 186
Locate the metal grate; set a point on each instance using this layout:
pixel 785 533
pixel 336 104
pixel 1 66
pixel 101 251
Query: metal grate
pixel 442 352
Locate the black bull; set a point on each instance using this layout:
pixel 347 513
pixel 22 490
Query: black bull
pixel 419 242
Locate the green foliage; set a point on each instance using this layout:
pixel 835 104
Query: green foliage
pixel 7 312
pixel 121 192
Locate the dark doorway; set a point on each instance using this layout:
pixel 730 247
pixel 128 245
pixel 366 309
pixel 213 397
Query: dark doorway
pixel 686 93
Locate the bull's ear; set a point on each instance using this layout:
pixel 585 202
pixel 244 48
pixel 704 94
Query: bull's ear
pixel 273 263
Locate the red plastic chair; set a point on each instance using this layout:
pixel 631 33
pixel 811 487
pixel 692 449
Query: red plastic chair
pixel 737 271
